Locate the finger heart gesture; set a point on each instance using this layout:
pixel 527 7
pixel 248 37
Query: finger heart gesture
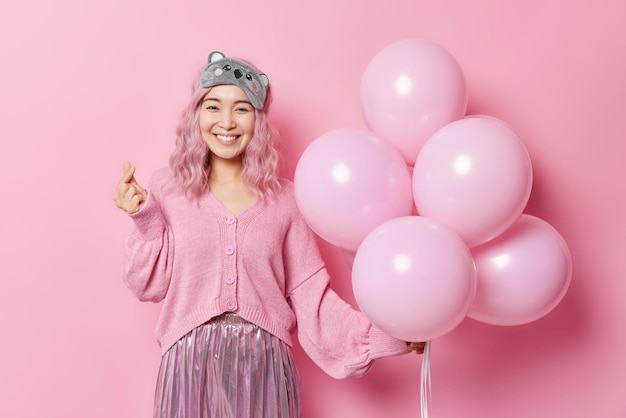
pixel 129 195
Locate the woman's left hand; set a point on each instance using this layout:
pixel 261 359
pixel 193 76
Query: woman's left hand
pixel 418 347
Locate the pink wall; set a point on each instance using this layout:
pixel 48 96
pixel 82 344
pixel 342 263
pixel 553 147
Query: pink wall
pixel 86 85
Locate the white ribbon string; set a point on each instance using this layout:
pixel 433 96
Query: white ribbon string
pixel 425 384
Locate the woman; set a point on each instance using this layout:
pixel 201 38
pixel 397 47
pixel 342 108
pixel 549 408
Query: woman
pixel 219 240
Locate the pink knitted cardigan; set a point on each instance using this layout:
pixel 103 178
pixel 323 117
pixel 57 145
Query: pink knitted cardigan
pixel 200 260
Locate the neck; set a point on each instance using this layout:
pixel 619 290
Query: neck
pixel 226 169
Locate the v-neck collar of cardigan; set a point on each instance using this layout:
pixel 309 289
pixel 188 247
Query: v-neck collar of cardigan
pixel 248 212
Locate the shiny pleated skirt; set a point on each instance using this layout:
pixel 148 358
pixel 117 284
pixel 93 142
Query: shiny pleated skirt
pixel 228 368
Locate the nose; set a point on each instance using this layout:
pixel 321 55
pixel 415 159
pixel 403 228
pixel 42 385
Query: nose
pixel 227 121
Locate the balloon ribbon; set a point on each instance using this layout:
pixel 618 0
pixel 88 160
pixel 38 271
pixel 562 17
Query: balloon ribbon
pixel 425 384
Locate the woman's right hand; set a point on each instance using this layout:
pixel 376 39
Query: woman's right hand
pixel 129 195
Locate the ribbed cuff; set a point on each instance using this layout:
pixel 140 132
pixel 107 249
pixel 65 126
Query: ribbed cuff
pixel 149 222
pixel 384 345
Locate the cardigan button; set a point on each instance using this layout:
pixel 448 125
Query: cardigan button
pixel 230 250
pixel 230 305
pixel 230 279
pixel 230 219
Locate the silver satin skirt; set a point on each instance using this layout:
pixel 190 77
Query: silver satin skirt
pixel 228 368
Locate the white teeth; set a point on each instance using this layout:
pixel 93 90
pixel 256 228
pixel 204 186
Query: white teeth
pixel 226 138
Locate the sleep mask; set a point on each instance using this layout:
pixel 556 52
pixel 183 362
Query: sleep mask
pixel 221 70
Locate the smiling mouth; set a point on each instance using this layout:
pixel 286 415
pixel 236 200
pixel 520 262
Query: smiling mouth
pixel 227 139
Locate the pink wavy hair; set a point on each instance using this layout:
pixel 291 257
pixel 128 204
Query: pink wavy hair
pixel 190 161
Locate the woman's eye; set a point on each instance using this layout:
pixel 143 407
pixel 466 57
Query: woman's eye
pixel 211 107
pixel 243 109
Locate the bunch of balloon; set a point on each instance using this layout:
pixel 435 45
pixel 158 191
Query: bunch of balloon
pixel 427 204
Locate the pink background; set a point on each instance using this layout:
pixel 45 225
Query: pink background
pixel 86 85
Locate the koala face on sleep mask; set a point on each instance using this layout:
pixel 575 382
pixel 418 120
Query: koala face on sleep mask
pixel 222 70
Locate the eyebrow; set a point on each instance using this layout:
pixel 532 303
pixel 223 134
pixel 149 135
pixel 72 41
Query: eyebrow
pixel 219 100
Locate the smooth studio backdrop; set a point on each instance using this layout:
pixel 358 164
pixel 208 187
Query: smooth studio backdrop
pixel 87 85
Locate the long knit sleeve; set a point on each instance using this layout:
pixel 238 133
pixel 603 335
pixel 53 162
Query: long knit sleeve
pixel 149 253
pixel 338 338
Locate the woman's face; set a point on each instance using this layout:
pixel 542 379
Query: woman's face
pixel 227 121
